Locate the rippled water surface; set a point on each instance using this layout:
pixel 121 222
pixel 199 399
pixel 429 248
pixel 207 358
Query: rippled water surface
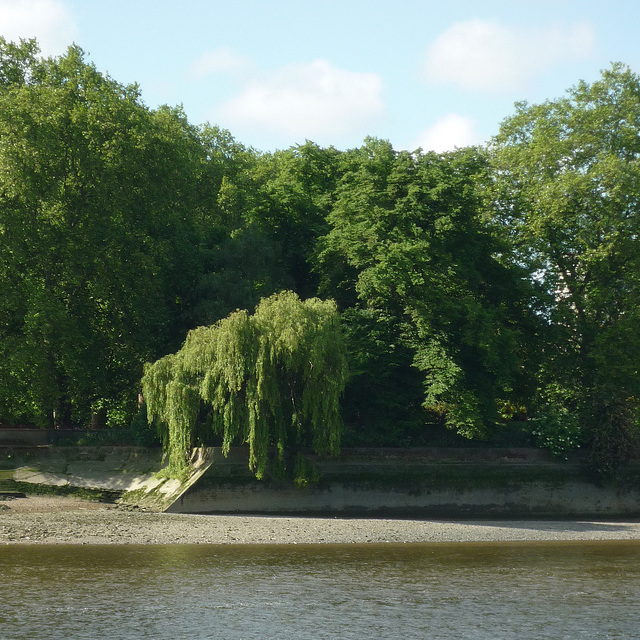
pixel 515 590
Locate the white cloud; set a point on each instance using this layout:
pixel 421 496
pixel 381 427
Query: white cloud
pixel 449 132
pixel 485 55
pixel 49 21
pixel 307 101
pixel 222 60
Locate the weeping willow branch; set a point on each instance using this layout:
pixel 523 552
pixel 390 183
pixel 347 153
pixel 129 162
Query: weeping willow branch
pixel 270 379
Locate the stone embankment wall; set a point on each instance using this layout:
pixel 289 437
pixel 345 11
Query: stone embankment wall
pixel 365 482
pixel 424 483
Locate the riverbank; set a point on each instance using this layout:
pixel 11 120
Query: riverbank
pixel 376 483
pixel 66 520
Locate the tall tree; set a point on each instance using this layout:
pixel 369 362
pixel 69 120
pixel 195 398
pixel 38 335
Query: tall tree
pixel 93 196
pixel 271 209
pixel 568 179
pixel 410 245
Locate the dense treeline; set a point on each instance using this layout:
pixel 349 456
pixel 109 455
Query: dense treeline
pixel 475 288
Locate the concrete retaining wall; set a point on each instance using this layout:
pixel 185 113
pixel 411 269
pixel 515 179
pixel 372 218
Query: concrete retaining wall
pixel 365 482
pixel 530 499
pixel 430 482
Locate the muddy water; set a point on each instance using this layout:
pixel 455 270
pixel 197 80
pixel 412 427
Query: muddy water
pixel 487 590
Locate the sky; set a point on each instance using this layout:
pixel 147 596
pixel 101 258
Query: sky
pixel 419 73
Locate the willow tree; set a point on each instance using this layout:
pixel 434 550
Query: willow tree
pixel 269 379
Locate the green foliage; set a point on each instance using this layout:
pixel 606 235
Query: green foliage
pixel 567 183
pixel 410 246
pixel 269 379
pixel 558 430
pixel 98 222
pixel 467 282
pixel 383 397
pixel 245 267
pixel 19 62
pixel 295 193
pixel 613 433
pixel 304 472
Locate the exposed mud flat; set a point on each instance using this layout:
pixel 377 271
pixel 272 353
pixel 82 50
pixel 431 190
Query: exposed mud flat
pixel 67 520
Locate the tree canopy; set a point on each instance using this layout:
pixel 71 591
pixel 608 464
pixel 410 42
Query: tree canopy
pixel 568 188
pixel 100 212
pixel 471 287
pixel 409 242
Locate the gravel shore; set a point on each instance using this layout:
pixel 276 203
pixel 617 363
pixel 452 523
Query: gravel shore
pixel 58 520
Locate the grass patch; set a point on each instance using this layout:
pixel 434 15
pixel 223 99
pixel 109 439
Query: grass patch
pixel 6 474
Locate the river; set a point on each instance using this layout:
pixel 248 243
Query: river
pixel 427 591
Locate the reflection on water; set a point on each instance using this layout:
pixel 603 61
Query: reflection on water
pixel 516 590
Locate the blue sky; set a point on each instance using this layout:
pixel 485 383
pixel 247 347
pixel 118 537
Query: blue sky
pixel 430 74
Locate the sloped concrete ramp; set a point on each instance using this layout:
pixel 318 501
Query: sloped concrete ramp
pixel 135 473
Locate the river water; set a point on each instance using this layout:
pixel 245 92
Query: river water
pixel 427 591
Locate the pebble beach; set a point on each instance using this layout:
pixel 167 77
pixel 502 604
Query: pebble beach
pixel 67 520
